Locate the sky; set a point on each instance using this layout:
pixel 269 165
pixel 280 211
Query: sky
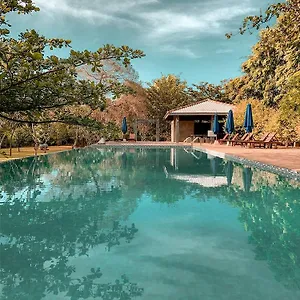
pixel 181 37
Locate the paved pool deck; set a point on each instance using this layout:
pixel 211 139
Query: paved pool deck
pixel 288 158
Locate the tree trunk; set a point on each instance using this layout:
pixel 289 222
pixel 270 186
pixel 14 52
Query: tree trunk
pixel 2 139
pixel 36 147
pixel 10 141
pixel 35 139
pixel 10 148
pixel 76 139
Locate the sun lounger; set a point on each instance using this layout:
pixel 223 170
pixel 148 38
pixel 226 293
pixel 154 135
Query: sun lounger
pixel 260 142
pixel 233 139
pixel 226 138
pixel 271 141
pixel 229 139
pixel 268 142
pixel 244 138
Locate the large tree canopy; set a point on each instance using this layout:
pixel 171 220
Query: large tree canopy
pixel 166 93
pixel 206 90
pixel 276 56
pixel 271 72
pixel 42 88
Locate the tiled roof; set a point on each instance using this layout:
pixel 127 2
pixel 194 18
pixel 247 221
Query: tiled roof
pixel 206 107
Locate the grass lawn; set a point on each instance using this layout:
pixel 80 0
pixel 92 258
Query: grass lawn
pixel 28 151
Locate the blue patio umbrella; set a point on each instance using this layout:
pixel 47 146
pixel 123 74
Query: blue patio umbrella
pixel 248 122
pixel 247 179
pixel 216 125
pixel 229 172
pixel 229 123
pixel 124 125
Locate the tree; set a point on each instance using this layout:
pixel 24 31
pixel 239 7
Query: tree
pixel 133 106
pixel 236 89
pixel 44 89
pixel 275 58
pixel 112 70
pixel 273 11
pixel 288 124
pixel 22 137
pixel 8 6
pixel 164 94
pixel 265 118
pixel 206 90
pixel 271 73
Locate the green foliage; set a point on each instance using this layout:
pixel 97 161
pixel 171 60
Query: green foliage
pixel 205 90
pixel 289 111
pixel 265 118
pixel 273 11
pixel 271 73
pixel 164 94
pixel 47 89
pixel 19 6
pixel 22 136
pixel 276 56
pixel 110 131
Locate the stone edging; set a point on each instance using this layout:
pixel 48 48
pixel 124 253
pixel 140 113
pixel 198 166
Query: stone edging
pixel 131 145
pixel 253 163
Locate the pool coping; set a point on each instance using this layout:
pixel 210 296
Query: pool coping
pixel 252 163
pixel 132 145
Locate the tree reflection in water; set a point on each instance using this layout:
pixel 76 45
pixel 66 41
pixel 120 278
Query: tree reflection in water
pixel 41 230
pixel 270 211
pixel 61 206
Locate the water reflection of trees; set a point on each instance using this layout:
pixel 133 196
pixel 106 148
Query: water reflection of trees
pixel 270 211
pixel 42 231
pixel 90 197
pixel 271 214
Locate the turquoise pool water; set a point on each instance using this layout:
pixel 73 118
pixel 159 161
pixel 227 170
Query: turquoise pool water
pixel 113 223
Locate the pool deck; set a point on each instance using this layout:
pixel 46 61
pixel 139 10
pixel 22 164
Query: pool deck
pixel 288 158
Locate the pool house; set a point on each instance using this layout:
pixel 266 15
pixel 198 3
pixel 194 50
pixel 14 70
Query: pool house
pixel 196 120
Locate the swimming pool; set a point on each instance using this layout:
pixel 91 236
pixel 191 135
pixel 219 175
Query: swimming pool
pixel 146 223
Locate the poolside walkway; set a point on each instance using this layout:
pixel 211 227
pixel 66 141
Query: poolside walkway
pixel 282 157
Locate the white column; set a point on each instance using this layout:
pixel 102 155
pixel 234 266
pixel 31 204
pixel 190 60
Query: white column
pixel 177 134
pixel 173 131
pixel 212 123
